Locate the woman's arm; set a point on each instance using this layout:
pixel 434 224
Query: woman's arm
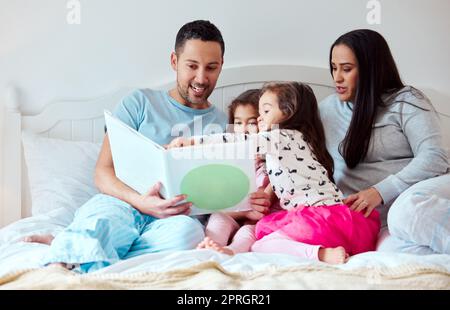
pixel 423 132
pixel 422 129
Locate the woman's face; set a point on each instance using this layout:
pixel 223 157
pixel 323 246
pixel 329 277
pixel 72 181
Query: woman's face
pixel 345 72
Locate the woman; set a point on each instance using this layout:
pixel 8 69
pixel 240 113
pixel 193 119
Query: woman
pixel 383 136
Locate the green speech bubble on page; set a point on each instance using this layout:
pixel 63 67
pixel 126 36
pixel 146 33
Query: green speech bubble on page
pixel 215 187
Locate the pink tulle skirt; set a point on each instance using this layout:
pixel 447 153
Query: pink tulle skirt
pixel 328 226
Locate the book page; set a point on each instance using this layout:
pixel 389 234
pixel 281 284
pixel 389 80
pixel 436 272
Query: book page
pixel 215 177
pixel 138 161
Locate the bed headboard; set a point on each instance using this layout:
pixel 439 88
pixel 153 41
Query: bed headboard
pixel 82 120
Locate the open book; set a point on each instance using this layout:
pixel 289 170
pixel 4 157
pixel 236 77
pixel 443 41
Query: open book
pixel 215 177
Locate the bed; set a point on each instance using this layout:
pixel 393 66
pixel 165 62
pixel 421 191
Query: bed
pixel 48 168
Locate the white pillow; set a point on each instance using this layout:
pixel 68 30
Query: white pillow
pixel 60 172
pixel 421 214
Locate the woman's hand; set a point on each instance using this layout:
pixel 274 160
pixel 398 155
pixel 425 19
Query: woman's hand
pixel 179 142
pixel 365 200
pixel 153 204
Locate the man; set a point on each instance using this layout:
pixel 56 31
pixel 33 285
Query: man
pixel 120 223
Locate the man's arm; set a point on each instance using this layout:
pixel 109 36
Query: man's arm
pixel 150 203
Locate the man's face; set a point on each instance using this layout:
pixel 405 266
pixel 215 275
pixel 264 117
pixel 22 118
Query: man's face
pixel 198 65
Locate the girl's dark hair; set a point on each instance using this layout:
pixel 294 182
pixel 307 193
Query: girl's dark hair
pixel 249 97
pixel 298 104
pixel 378 75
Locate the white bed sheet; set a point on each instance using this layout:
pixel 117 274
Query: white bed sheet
pixel 16 255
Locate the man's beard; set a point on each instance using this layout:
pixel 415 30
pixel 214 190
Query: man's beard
pixel 184 93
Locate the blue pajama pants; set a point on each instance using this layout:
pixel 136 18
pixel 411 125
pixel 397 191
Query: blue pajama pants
pixel 106 230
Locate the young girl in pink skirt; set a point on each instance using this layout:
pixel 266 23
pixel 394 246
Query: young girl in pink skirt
pixel 314 223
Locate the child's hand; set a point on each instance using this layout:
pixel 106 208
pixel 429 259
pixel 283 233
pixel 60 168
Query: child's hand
pixel 365 200
pixel 179 142
pixel 260 201
pixel 253 215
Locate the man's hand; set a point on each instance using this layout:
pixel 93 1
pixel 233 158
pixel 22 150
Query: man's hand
pixel 365 200
pixel 179 142
pixel 153 204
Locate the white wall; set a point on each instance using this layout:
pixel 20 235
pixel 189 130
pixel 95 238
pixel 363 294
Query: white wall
pixel 128 42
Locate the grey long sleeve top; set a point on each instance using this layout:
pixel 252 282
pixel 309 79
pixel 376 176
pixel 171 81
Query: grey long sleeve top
pixel 406 144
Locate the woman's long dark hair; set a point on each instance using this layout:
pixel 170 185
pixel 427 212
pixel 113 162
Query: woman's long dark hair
pixel 378 75
pixel 299 105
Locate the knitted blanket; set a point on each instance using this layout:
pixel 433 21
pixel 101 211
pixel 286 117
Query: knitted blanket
pixel 210 275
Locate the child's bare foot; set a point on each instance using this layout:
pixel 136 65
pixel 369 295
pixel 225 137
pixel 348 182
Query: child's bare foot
pixel 44 239
pixel 202 243
pixel 333 255
pixel 208 243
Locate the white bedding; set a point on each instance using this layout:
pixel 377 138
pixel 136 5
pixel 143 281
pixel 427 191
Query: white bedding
pixel 54 206
pixel 16 255
pixel 60 182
